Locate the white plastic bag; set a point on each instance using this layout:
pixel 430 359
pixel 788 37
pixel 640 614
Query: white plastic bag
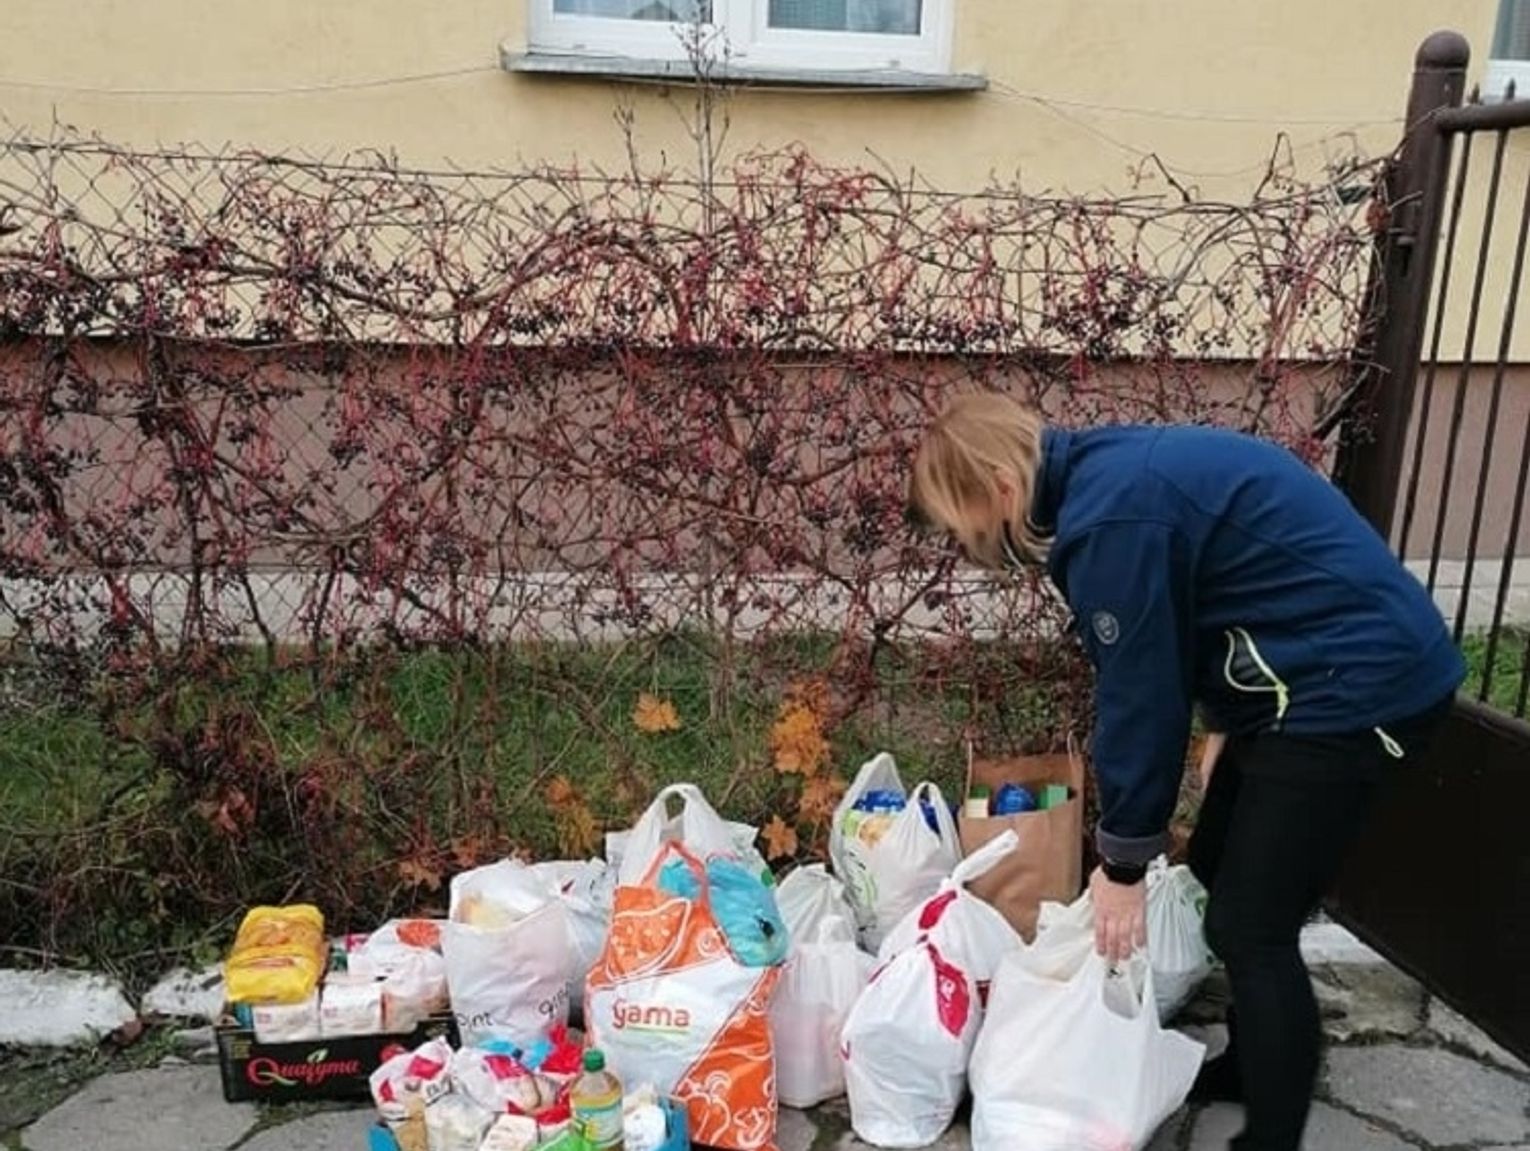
pixel 893 864
pixel 1176 912
pixel 508 957
pixel 906 1046
pixel 585 888
pixel 696 826
pixel 1176 940
pixel 849 854
pixel 809 898
pixel 1081 1064
pixel 968 931
pixel 825 975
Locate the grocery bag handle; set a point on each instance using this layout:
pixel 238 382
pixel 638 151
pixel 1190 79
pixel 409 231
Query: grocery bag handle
pixel 985 858
pixel 943 818
pixel 697 869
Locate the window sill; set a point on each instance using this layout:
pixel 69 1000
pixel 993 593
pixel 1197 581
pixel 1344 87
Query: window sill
pixel 514 59
pixel 1500 74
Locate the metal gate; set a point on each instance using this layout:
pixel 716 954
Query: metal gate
pixel 1435 450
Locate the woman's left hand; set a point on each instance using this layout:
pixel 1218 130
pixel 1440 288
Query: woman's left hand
pixel 1120 916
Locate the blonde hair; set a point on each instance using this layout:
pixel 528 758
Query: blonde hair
pixel 980 443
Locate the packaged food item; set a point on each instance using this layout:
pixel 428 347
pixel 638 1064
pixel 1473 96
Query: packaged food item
pixel 410 1131
pixel 396 943
pixel 423 1073
pixel 286 1022
pixel 456 1123
pixel 645 1127
pixel 495 1078
pixel 351 1005
pixel 1012 799
pixel 511 1133
pixel 976 806
pixel 414 990
pixel 596 1101
pixel 279 955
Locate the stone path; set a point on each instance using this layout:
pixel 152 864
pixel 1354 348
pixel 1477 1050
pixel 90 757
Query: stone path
pixel 1402 1074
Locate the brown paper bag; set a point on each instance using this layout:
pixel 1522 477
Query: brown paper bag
pixel 1049 863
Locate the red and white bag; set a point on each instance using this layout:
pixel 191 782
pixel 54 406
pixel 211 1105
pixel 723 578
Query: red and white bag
pixel 968 931
pixel 906 1046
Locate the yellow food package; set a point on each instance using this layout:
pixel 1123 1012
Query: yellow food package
pixel 279 955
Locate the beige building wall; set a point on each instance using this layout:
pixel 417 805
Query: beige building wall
pixel 1077 93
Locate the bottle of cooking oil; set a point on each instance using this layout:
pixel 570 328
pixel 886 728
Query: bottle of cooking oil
pixel 597 1103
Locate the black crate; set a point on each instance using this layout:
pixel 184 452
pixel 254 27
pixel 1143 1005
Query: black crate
pixel 312 1068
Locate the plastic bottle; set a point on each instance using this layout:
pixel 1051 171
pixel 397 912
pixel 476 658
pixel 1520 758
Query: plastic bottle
pixel 596 1099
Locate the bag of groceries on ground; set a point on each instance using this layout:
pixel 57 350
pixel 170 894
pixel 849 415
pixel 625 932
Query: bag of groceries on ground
pixel 681 1000
pixel 694 824
pixel 508 956
pixel 890 848
pixel 585 888
pixel 1076 1062
pixel 825 974
pixel 968 931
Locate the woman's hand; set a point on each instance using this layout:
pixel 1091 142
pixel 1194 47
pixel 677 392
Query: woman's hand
pixel 1120 916
pixel 1211 751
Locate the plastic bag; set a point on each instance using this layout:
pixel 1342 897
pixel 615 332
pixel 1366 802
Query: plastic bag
pixel 1176 911
pixel 744 907
pixel 508 956
pixel 669 1004
pixel 696 826
pixel 453 1123
pixel 585 888
pixel 891 864
pixel 809 898
pixel 824 976
pixel 1081 1064
pixel 279 955
pixel 969 932
pixel 905 1048
pixel 426 1068
pixel 1176 940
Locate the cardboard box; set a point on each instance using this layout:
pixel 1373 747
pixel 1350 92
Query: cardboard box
pixel 312 1068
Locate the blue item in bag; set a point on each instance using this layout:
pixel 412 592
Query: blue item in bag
pixel 744 908
pixel 1012 799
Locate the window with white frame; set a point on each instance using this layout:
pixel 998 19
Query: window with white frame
pixel 907 35
pixel 1510 58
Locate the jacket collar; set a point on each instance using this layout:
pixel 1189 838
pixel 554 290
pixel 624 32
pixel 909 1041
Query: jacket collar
pixel 1051 479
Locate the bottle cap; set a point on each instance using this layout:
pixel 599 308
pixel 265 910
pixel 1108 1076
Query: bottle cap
pixel 594 1060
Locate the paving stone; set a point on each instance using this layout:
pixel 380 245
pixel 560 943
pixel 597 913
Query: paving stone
pixel 1328 1129
pixel 180 1108
pixel 1434 1095
pixel 1359 1001
pixel 956 1139
pixel 187 994
pixel 1328 943
pixel 795 1131
pixel 329 1131
pixel 59 1008
pixel 1456 1029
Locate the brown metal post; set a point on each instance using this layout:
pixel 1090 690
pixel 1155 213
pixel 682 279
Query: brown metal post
pixel 1375 432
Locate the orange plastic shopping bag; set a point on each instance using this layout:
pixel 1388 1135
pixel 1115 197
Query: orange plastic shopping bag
pixel 670 1005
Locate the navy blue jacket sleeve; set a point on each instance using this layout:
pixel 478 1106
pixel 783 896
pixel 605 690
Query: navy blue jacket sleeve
pixel 1130 587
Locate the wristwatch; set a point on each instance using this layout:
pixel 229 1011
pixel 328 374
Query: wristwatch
pixel 1126 874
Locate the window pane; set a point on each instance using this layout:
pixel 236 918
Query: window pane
pixel 1511 39
pixel 890 17
pixel 678 11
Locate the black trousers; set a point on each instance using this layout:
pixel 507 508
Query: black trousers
pixel 1278 818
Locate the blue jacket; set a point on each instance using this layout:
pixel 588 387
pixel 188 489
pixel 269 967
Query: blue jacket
pixel 1206 567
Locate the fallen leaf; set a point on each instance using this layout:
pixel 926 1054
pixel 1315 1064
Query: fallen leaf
pixel 820 796
pixel 780 839
pixel 419 874
pixel 653 715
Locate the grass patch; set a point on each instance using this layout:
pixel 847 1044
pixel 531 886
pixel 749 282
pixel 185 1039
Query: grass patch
pixel 1504 680
pixel 144 812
